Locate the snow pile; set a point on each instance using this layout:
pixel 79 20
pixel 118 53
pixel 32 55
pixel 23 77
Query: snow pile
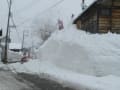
pixel 14 56
pixel 83 52
pixel 66 77
pixel 79 81
pixel 78 59
pixel 15 46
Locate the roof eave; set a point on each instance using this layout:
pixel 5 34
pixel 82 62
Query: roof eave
pixel 74 22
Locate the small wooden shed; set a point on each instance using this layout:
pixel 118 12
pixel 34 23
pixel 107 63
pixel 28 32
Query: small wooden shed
pixel 101 16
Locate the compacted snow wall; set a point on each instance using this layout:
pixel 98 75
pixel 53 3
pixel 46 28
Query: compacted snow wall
pixel 83 52
pixel 67 56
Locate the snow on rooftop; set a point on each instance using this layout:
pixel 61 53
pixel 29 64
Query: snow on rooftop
pixel 88 3
pixel 15 46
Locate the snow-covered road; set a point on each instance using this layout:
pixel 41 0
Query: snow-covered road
pixel 23 81
pixel 8 81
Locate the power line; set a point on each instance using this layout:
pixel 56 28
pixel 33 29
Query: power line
pixel 59 2
pixel 8 3
pixel 28 19
pixel 4 59
pixel 55 4
pixel 14 25
pixel 7 37
pixel 33 3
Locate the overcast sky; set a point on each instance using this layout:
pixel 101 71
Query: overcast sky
pixel 26 11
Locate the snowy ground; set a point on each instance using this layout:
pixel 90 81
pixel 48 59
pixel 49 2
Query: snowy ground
pixel 73 49
pixel 73 58
pixel 68 78
pixel 8 81
pixel 24 81
pixel 77 59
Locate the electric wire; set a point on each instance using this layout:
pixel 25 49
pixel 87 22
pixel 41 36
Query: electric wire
pixel 15 28
pixel 29 19
pixel 11 15
pixel 30 5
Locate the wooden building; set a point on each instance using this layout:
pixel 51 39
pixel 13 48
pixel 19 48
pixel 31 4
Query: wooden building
pixel 101 16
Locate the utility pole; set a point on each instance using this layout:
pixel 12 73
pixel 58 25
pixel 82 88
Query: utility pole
pixel 4 60
pixel 23 39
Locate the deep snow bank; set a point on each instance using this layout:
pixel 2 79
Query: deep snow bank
pixel 67 77
pixel 70 54
pixel 66 55
pixel 83 52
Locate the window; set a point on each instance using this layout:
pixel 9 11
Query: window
pixel 105 12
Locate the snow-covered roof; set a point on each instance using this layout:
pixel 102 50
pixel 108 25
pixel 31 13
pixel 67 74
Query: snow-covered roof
pixel 92 2
pixel 15 46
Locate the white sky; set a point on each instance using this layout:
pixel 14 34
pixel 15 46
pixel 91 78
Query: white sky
pixel 26 11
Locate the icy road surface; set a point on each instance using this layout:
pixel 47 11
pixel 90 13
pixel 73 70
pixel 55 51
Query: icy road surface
pixel 23 81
